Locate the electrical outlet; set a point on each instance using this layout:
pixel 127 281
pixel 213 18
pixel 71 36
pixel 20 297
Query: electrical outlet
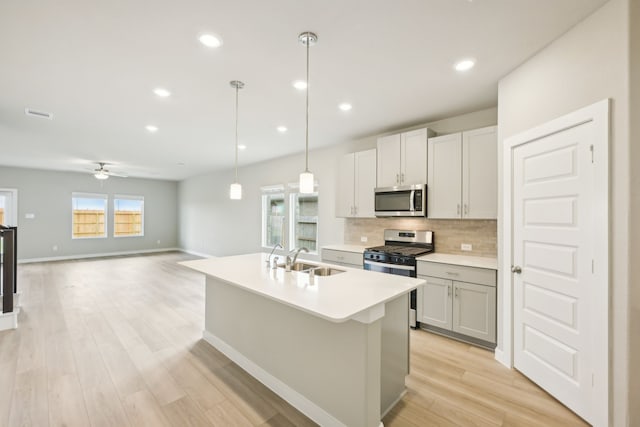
pixel 55 248
pixel 158 242
pixel 466 247
pixel 29 216
pixel 364 239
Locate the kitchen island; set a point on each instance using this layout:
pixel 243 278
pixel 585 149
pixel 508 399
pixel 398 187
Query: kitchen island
pixel 335 347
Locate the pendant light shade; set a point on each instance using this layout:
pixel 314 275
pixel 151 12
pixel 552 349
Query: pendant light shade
pixel 235 190
pixel 308 39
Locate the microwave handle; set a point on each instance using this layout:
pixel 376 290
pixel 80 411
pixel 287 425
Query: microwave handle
pixel 412 201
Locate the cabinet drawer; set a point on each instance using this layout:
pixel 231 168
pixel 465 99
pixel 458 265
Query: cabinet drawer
pixel 483 276
pixel 343 257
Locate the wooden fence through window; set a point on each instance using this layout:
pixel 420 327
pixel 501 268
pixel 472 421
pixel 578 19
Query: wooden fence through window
pixel 1 215
pixel 91 223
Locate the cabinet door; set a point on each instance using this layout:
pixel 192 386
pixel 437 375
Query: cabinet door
pixel 480 173
pixel 389 161
pixel 434 302
pixel 474 310
pixel 344 186
pixel 365 183
pixel 444 191
pixel 413 157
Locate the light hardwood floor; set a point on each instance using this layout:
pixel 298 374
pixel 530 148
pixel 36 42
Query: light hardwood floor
pixel 117 342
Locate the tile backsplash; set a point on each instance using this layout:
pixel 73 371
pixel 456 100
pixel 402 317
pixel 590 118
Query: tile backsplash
pixel 449 234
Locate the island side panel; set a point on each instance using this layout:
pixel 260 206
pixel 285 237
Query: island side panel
pixel 334 365
pixel 395 352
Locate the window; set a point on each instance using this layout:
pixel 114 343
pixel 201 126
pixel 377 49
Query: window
pixel 273 216
pixel 288 216
pixel 128 216
pixel 304 221
pixel 89 212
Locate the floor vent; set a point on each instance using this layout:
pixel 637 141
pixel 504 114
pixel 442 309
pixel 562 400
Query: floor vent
pixel 35 113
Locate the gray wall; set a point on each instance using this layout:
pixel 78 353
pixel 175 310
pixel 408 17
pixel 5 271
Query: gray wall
pixel 47 194
pixel 211 223
pixel 589 63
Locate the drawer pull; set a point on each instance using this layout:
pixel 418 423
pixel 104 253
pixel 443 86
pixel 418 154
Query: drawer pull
pixel 451 273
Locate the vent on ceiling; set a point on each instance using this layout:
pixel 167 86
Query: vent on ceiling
pixel 36 113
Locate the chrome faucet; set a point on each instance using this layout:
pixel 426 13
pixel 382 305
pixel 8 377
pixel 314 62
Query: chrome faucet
pixel 278 245
pixel 290 261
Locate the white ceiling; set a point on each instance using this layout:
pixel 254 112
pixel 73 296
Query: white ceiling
pixel 94 64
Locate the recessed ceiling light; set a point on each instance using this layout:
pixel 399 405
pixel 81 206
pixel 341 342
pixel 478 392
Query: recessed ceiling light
pixel 345 106
pixel 151 128
pixel 465 65
pixel 282 129
pixel 242 147
pixel 210 40
pixel 300 84
pixel 161 92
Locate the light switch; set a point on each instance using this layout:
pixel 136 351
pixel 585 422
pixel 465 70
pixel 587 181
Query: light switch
pixel 29 215
pixel 466 247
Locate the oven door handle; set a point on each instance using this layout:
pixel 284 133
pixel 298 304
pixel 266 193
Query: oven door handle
pixel 383 264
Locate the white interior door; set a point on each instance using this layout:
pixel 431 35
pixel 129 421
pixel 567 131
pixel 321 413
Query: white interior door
pixel 553 246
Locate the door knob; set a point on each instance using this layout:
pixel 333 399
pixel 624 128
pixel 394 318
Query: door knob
pixel 516 269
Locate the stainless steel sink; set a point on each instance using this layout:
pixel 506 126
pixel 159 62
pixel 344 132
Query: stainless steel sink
pixel 326 271
pixel 299 266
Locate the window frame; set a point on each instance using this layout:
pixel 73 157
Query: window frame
pixel 265 193
pixel 117 197
pixel 94 196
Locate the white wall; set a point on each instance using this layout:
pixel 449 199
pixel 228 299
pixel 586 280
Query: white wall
pixel 212 224
pixel 47 194
pixel 587 64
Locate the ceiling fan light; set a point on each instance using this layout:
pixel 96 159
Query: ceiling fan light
pixel 101 175
pixel 235 191
pixel 306 182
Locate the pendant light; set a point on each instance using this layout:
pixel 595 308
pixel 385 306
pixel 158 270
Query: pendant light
pixel 308 39
pixel 235 190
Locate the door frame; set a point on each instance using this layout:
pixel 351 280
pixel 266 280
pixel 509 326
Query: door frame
pixel 598 114
pixel 14 203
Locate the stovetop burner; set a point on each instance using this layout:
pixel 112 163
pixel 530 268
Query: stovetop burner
pixel 413 251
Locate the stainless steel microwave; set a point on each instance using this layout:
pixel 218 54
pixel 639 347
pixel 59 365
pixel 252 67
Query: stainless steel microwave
pixel 407 200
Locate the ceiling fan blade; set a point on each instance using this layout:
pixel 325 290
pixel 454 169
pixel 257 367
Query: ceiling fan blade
pixel 119 175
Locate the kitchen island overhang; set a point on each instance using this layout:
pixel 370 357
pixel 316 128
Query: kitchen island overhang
pixel 335 347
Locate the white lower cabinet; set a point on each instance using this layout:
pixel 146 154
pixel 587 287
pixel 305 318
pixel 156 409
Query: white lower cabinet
pixel 461 307
pixel 344 258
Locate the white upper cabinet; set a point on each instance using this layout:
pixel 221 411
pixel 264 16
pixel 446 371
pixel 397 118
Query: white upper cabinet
pixel 402 158
pixel 463 177
pixel 389 161
pixel 356 181
pixel 480 173
pixel 444 185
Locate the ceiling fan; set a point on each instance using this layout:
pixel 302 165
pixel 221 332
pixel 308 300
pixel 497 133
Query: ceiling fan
pixel 102 173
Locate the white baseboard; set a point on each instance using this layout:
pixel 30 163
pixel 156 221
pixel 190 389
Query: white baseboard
pixel 499 356
pixel 99 255
pixel 196 253
pixel 294 398
pixel 9 320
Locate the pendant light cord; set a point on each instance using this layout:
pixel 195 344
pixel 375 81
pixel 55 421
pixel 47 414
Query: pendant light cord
pixel 236 133
pixel 307 130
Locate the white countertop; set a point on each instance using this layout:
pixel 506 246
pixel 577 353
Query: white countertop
pixel 466 260
pixel 348 248
pixel 335 298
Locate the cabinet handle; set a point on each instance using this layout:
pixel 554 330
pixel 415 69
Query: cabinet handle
pixel 397 178
pixel 401 178
pixel 466 209
pixel 449 290
pixel 458 209
pixel 452 273
pixel 355 210
pixel 456 293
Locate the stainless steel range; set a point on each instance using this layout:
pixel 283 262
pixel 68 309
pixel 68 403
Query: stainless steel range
pixel 398 256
